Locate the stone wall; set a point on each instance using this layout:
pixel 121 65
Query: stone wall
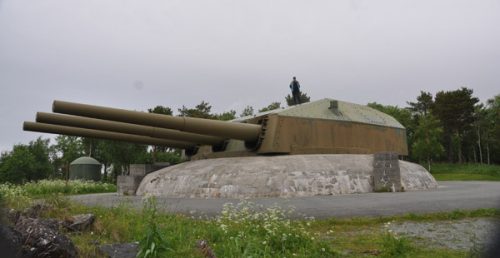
pixel 386 173
pixel 127 184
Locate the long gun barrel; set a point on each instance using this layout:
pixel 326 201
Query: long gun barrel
pixel 68 130
pixel 120 127
pixel 240 131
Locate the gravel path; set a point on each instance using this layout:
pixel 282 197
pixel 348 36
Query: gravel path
pixel 460 234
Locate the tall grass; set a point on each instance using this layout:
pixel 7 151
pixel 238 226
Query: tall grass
pixel 20 196
pixel 14 196
pixel 48 187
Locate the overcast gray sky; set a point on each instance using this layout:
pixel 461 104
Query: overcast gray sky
pixel 138 54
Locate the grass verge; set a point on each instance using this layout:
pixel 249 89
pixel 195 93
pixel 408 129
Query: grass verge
pixel 465 172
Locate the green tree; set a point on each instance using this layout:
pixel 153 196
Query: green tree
pixel 68 148
pixel 161 110
pixel 303 99
pixel 226 116
pixel 17 165
pixel 247 111
pixel 41 151
pixel 26 162
pixel 423 104
pixel 426 144
pixel 272 106
pixel 120 155
pixel 172 156
pixel 455 110
pixel 202 110
pixel 491 129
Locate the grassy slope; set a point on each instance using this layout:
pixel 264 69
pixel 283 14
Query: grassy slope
pixel 446 171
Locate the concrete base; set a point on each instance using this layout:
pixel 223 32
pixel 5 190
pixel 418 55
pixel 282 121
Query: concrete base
pixel 277 176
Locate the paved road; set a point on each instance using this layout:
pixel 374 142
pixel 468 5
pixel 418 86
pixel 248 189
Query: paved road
pixel 448 197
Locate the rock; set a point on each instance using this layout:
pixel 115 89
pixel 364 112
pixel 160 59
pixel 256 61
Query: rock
pixel 126 250
pixel 41 238
pixel 79 222
pixel 10 242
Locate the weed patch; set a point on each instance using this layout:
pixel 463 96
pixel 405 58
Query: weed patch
pixel 152 243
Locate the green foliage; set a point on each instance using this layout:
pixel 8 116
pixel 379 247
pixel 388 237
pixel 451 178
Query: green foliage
pixel 396 246
pixel 303 99
pixel 466 171
pixel 16 166
pixel 48 187
pixel 14 196
pixel 152 243
pixel 21 194
pixel 455 110
pixel 466 168
pixel 70 147
pixel 172 157
pixel 427 145
pixel 247 111
pixel 403 115
pixel 230 115
pixel 121 155
pixel 272 106
pixel 201 110
pixel 491 130
pixel 26 162
pixel 161 110
pixel 423 105
pixel 465 177
pixel 41 151
pixel 67 149
pixel 265 234
pixel 357 237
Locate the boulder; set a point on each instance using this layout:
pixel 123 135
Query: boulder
pixel 125 250
pixel 79 222
pixel 10 242
pixel 41 238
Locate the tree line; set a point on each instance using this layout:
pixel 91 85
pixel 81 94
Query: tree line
pixel 452 126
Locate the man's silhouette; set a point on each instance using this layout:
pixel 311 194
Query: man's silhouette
pixel 295 87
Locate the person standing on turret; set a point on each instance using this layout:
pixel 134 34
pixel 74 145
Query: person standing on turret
pixel 295 87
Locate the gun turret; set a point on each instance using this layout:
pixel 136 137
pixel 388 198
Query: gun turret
pixel 320 127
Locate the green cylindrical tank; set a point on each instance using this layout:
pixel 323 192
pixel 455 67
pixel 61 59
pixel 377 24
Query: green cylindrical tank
pixel 85 168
